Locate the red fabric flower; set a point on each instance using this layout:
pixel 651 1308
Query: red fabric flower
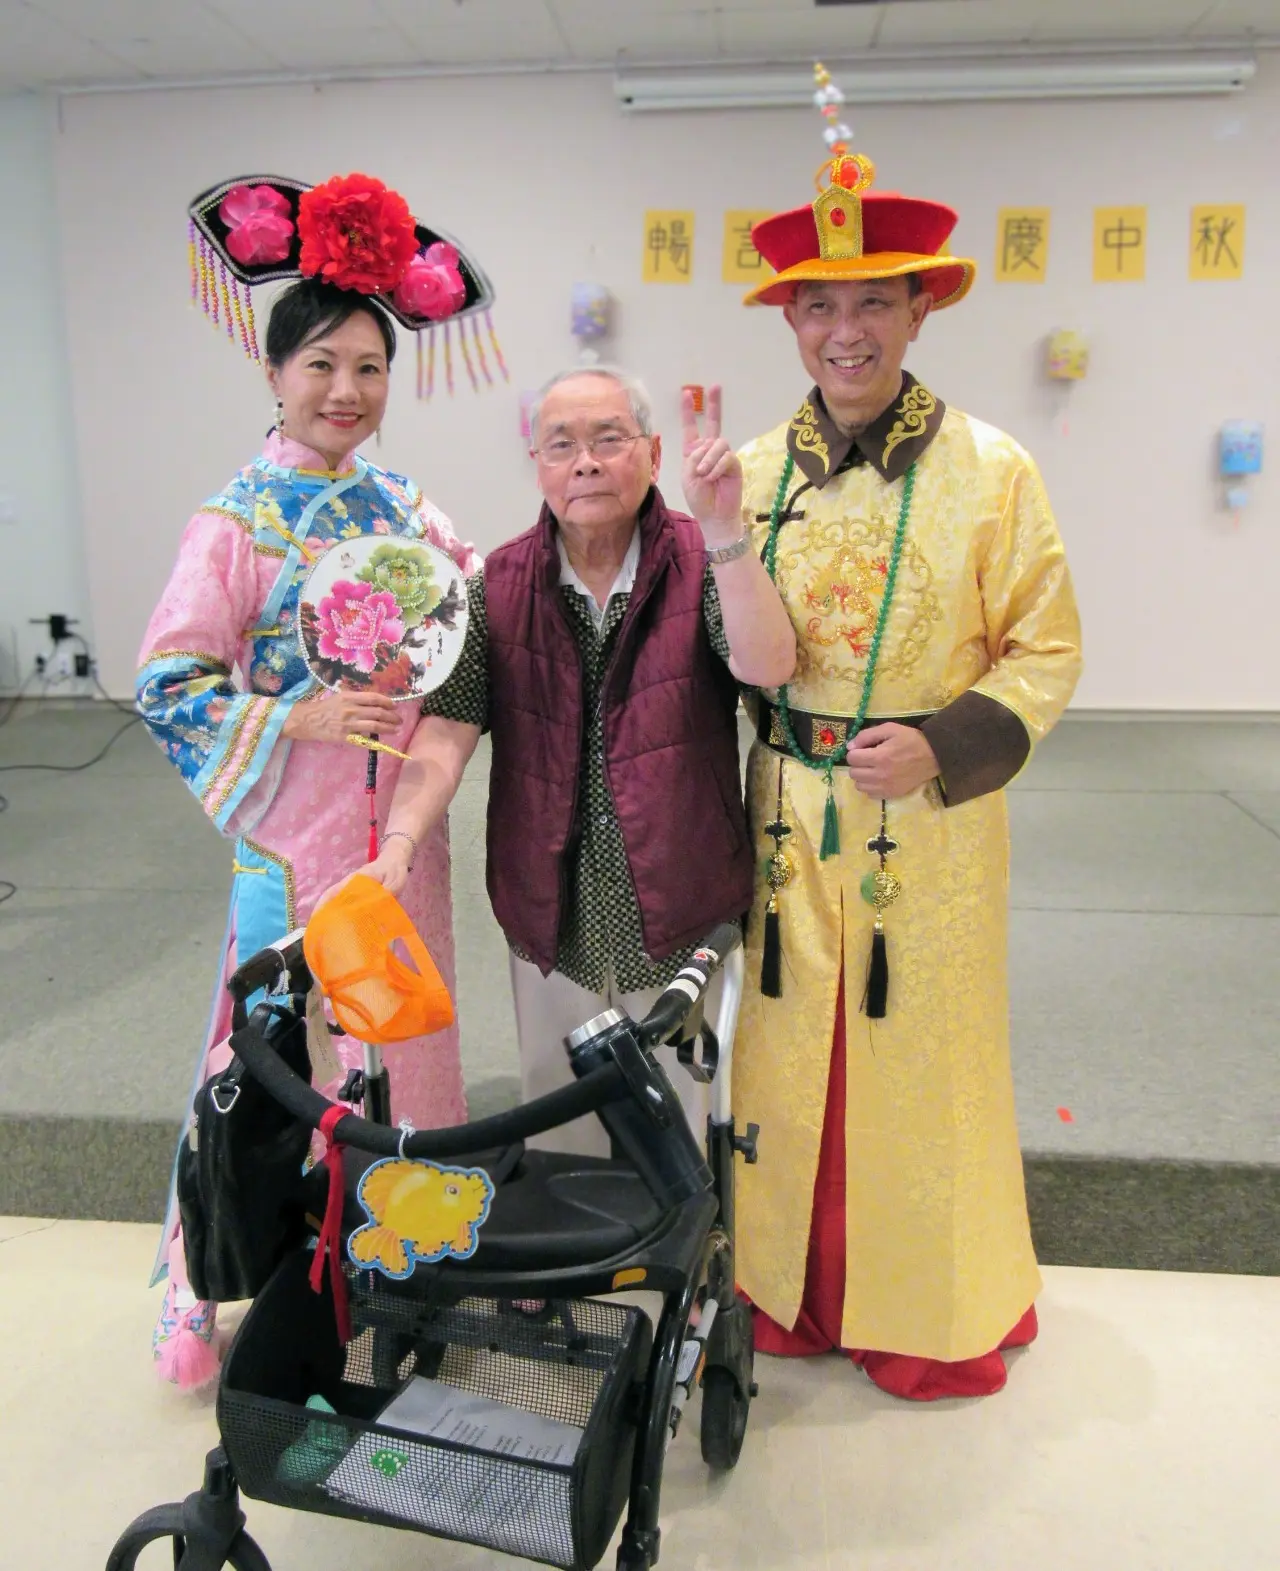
pixel 259 228
pixel 356 234
pixel 433 286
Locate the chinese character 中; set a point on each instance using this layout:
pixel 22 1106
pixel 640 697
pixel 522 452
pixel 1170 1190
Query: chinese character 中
pixel 1023 237
pixel 1121 237
pixel 1213 242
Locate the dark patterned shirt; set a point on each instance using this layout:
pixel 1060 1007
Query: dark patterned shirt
pixel 600 929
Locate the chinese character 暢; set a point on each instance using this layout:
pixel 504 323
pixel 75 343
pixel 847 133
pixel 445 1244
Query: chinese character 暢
pixel 1023 236
pixel 1120 238
pixel 678 247
pixel 668 244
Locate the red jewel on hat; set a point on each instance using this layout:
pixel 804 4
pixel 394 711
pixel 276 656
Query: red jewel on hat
pixel 827 736
pixel 837 216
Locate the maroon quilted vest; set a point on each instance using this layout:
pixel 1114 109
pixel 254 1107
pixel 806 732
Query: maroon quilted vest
pixel 670 736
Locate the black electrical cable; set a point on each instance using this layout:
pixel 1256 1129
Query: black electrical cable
pixel 73 769
pixel 7 889
pixel 13 702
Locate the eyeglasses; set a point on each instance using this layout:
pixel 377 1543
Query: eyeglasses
pixel 564 449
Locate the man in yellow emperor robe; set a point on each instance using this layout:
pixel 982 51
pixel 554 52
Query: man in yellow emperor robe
pixel 917 554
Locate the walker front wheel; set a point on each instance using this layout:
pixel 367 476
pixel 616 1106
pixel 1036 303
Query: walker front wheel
pixel 166 1522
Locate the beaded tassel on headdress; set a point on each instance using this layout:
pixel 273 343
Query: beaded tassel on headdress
pixel 466 356
pixel 218 293
pixel 484 364
pixel 497 347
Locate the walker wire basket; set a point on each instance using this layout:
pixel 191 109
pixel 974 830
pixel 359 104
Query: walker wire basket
pixel 501 1423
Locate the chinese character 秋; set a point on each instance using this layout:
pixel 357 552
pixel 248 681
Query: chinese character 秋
pixel 1213 241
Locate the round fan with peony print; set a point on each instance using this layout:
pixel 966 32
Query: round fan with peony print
pixel 382 614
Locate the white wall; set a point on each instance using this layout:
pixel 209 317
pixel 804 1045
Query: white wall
pixel 547 181
pixel 41 550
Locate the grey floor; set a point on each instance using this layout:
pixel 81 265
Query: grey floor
pixel 1145 935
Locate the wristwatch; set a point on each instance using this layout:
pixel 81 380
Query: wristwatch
pixel 731 552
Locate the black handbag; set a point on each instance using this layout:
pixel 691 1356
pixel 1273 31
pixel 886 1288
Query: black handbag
pixel 242 1193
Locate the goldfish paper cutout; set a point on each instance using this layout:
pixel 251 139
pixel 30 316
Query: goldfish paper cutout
pixel 418 1212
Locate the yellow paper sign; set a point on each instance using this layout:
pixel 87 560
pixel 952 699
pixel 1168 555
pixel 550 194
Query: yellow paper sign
pixel 742 263
pixel 1217 241
pixel 1119 245
pixel 668 248
pixel 1022 245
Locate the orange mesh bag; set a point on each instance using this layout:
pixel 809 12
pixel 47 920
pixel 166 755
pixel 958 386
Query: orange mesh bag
pixel 375 996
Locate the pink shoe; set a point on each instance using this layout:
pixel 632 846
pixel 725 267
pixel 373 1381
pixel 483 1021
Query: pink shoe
pixel 182 1343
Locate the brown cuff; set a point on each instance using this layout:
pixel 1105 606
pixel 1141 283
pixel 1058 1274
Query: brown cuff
pixel 979 744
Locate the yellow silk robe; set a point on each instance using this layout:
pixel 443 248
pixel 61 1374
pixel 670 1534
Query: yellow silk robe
pixel 939 1260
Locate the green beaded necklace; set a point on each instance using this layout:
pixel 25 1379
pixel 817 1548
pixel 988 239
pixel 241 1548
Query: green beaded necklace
pixel 830 821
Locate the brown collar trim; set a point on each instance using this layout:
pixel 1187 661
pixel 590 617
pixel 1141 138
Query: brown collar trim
pixel 891 443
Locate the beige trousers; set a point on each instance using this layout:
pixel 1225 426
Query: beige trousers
pixel 547 1010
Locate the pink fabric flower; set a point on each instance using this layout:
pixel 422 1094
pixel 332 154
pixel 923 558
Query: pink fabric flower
pixel 433 286
pixel 259 228
pixel 353 620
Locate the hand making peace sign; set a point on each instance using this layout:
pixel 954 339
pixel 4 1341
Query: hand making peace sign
pixel 712 475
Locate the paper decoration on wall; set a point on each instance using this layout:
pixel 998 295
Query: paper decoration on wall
pixel 1119 245
pixel 1022 245
pixel 1067 357
pixel 1239 455
pixel 668 248
pixel 1240 448
pixel 741 263
pixel 1217 241
pixel 526 409
pixel 590 311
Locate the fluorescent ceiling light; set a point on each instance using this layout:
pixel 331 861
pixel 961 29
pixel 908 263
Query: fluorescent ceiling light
pixel 933 81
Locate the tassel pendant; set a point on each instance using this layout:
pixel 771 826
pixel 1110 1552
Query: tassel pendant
pixel 778 871
pixel 830 824
pixel 875 999
pixel 879 889
pixel 771 963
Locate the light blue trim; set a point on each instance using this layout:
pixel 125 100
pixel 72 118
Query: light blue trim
pixel 219 750
pixel 261 901
pixel 280 709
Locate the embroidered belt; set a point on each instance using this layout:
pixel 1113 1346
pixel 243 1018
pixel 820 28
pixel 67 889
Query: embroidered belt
pixel 819 736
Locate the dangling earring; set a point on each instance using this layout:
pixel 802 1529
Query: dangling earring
pixel 377 436
pixel 279 417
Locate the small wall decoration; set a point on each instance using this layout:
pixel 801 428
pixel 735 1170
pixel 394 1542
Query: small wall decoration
pixel 1066 356
pixel 590 310
pixel 1022 245
pixel 1239 455
pixel 1217 241
pixel 1240 448
pixel 1119 245
pixel 668 247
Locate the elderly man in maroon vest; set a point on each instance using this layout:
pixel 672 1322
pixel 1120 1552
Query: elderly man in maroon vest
pixel 603 653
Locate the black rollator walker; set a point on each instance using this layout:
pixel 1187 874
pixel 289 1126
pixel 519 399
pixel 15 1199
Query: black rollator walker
pixel 510 1399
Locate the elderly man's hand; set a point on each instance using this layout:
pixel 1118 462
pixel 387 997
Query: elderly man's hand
pixel 887 761
pixel 712 475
